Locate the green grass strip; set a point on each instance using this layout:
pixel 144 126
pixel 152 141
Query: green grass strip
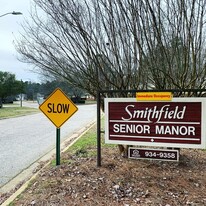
pixel 8 112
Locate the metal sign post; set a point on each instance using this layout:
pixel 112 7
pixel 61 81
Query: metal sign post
pixel 58 146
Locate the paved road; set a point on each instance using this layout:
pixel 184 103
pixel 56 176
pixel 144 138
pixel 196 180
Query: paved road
pixel 23 140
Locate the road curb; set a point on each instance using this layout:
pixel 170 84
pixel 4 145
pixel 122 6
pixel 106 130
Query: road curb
pixel 68 142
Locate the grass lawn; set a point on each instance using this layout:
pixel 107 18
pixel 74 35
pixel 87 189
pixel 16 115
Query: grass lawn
pixel 15 111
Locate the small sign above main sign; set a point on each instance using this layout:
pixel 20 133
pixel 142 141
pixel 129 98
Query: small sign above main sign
pixel 154 96
pixel 58 108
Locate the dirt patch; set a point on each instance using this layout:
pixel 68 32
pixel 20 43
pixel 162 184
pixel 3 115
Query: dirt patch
pixel 120 181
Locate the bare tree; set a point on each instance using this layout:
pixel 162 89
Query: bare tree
pixel 118 44
pixel 172 42
pixel 87 42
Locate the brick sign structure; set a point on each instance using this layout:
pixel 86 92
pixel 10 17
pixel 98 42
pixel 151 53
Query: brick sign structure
pixel 177 123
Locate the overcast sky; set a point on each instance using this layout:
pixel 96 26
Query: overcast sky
pixel 9 30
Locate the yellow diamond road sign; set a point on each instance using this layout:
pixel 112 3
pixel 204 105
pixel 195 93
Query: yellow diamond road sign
pixel 58 107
